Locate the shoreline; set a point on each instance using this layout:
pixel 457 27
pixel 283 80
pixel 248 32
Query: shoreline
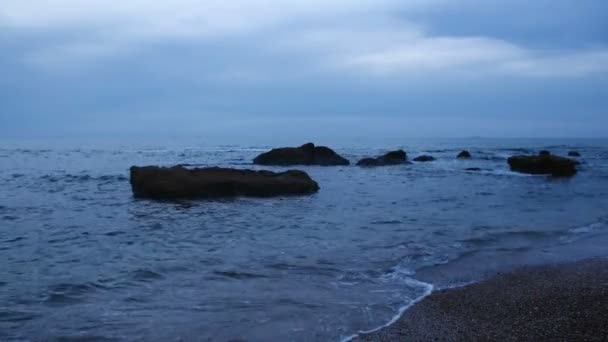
pixel 565 301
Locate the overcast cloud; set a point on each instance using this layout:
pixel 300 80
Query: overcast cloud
pixel 198 66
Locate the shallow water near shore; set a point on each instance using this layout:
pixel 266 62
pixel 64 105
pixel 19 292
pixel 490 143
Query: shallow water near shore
pixel 85 260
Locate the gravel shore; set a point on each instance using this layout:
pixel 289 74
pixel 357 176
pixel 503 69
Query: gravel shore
pixel 566 302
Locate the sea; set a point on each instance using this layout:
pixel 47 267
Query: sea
pixel 81 259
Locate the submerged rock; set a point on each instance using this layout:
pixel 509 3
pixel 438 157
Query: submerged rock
pixel 307 154
pixel 464 155
pixel 424 158
pixel 543 164
pixel 573 154
pixel 390 158
pixel 179 182
pixel 473 169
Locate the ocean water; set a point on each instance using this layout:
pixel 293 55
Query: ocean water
pixel 82 260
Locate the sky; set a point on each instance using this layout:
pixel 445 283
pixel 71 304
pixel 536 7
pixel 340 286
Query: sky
pixel 304 68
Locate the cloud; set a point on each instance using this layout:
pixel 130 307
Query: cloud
pixel 353 36
pixel 174 18
pixel 108 27
pixel 466 56
pixel 566 64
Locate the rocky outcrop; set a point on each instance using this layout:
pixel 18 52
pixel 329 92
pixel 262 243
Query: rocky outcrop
pixel 180 182
pixel 424 158
pixel 390 158
pixel 307 154
pixel 544 153
pixel 543 164
pixel 573 154
pixel 464 155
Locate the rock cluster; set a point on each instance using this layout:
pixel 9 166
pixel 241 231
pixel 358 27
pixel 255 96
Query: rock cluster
pixel 213 182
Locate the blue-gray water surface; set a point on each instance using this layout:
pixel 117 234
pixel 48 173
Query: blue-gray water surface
pixel 82 260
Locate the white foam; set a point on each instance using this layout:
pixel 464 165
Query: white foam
pixel 577 233
pixel 505 172
pixel 458 285
pixel 428 289
pixel 585 229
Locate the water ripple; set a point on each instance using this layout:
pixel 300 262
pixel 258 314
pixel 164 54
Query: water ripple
pixel 84 257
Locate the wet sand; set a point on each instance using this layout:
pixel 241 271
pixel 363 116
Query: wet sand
pixel 566 302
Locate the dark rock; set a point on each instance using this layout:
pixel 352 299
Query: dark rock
pixel 368 162
pixel 179 182
pixel 473 169
pixel 307 154
pixel 390 158
pixel 424 158
pixel 543 164
pixel 573 154
pixel 544 153
pixel 464 155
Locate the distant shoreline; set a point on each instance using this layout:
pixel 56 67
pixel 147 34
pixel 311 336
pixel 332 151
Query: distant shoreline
pixel 551 302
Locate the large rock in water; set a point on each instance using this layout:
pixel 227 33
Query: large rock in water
pixel 307 154
pixel 390 158
pixel 542 164
pixel 180 182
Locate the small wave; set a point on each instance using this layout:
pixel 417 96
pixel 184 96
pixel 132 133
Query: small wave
pixel 557 147
pixel 505 172
pixel 427 290
pixel 503 237
pixel 192 165
pixel 443 150
pixel 31 151
pixel 398 273
pixel 15 239
pixel 66 293
pixel 585 229
pixel 576 233
pixel 239 275
pixel 145 275
pixel 493 158
pixel 115 233
pixel 517 150
pixel 85 338
pixel 73 289
pixel 306 269
pixel 297 303
pixel 64 239
pixel 388 222
pixel 11 316
pixel 118 178
pixel 70 178
pixel 50 178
